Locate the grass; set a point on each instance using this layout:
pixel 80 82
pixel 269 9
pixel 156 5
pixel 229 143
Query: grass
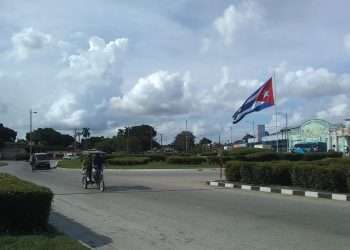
pixel 50 240
pixel 76 164
pixel 69 164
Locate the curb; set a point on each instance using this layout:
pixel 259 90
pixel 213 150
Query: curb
pixel 283 191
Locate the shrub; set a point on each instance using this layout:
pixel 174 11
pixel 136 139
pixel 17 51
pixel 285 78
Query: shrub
pixel 262 156
pixel 216 160
pixel 320 155
pixel 321 175
pixel 156 157
pixel 24 206
pixel 232 170
pixel 209 154
pixel 129 161
pixel 266 173
pixel 22 157
pixel 290 156
pixel 186 160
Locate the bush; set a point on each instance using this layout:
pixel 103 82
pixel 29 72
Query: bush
pixel 262 156
pixel 290 157
pixel 320 155
pixel 156 157
pixel 266 173
pixel 209 154
pixel 318 175
pixel 129 161
pixel 216 160
pixel 232 170
pixel 24 206
pixel 245 151
pixel 22 157
pixel 186 160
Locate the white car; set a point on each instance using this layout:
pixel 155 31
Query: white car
pixel 70 156
pixel 40 160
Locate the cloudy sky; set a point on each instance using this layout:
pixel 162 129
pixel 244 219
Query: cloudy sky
pixel 109 64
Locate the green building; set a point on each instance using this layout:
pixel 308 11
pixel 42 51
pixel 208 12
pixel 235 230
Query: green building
pixel 332 136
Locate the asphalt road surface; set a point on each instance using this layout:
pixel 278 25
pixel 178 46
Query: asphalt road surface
pixel 176 210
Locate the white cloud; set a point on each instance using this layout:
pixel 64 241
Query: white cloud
pixel 101 61
pixel 311 83
pixel 161 93
pixel 28 40
pixel 234 18
pixel 63 112
pixel 206 42
pixel 337 108
pixel 90 78
pixel 347 42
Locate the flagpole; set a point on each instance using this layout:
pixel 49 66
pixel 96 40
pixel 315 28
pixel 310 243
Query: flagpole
pixel 275 96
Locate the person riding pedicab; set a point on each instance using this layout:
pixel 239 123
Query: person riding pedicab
pixel 98 163
pixel 87 166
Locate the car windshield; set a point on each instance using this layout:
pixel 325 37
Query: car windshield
pixel 42 157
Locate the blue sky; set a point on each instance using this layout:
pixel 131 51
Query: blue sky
pixel 110 64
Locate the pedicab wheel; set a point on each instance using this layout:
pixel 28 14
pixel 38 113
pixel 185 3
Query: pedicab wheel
pixel 101 186
pixel 84 182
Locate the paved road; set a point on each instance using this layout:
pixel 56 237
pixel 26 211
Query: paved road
pixel 176 210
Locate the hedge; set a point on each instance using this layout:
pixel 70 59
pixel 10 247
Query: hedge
pixel 320 155
pixel 262 156
pixel 209 153
pixel 232 170
pixel 22 156
pixel 24 206
pixel 275 173
pixel 186 160
pixel 156 157
pixel 273 156
pixel 129 161
pixel 327 174
pixel 245 151
pixel 331 177
pixel 216 160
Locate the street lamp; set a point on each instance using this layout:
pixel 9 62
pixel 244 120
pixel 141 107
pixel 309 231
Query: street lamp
pixel 286 128
pixel 31 112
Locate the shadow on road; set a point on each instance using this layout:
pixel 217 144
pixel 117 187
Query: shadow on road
pixel 78 231
pixel 127 189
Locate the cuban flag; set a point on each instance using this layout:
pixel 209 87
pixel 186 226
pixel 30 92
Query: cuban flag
pixel 262 98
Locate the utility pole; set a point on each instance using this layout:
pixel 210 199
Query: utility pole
pixel 151 138
pixel 127 140
pixel 186 138
pixel 231 133
pixel 75 140
pixel 161 140
pixel 31 112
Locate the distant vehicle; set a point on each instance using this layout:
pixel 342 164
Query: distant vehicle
pixel 70 156
pixel 301 148
pixel 40 160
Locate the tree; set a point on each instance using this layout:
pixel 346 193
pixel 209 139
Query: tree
pixel 91 142
pixel 136 139
pixel 7 134
pixel 86 132
pixel 204 141
pixel 50 137
pixel 184 141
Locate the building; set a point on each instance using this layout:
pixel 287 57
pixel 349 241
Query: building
pixel 332 136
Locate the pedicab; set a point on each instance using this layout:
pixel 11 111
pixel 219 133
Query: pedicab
pixel 97 178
